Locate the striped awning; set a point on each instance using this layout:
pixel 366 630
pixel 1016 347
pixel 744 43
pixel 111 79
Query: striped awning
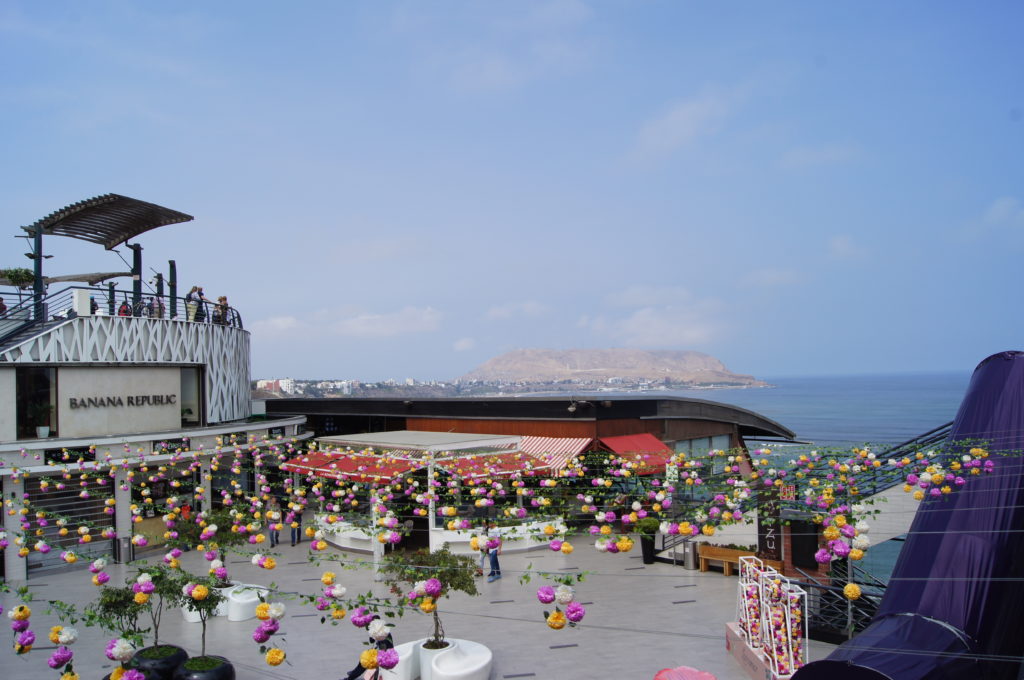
pixel 554 452
pixel 307 464
pixel 493 465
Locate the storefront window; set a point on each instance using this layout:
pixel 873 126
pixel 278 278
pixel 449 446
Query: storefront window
pixel 191 396
pixel 36 394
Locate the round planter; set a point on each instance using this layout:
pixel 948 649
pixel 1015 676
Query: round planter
pixel 427 659
pixel 162 667
pixel 647 548
pixel 225 671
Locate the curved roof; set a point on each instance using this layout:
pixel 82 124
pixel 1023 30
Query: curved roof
pixel 108 220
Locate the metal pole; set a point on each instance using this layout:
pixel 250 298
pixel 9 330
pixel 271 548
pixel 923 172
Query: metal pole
pixel 37 283
pixel 172 280
pixel 136 277
pixel 110 299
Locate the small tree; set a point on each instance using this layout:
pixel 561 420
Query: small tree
pixel 201 596
pixel 452 572
pixel 116 611
pixel 166 592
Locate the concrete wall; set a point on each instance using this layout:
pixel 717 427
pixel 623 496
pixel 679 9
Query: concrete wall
pixel 8 407
pixel 129 387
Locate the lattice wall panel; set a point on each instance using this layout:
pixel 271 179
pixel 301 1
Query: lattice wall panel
pixel 223 350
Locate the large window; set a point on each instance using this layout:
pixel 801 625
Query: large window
pixel 191 396
pixel 36 396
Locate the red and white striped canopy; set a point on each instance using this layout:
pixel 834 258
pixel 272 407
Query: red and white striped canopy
pixel 555 452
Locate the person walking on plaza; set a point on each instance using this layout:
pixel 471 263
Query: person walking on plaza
pixel 493 550
pixel 274 521
pixel 296 521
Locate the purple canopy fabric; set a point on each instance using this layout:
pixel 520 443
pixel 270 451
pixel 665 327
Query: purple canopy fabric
pixel 957 590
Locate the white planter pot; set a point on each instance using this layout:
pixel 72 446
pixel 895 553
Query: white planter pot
pixel 43 431
pixel 222 608
pixel 427 658
pixel 190 615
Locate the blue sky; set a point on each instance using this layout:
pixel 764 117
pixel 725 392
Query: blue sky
pixel 408 189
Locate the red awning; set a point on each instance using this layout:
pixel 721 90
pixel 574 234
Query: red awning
pixel 554 452
pixel 307 464
pixel 492 465
pixel 650 452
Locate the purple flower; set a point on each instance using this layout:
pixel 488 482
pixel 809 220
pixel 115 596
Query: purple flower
pixel 271 626
pixel 575 612
pixel 210 555
pixel 260 636
pixel 60 657
pixel 19 626
pixel 102 577
pixel 822 557
pixel 387 658
pixel 361 618
pixel 546 594
pixel 133 674
pixel 432 587
pixel 221 573
pixel 27 638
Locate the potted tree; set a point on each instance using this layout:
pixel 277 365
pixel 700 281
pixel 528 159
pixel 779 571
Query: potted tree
pixel 38 413
pixel 648 529
pixel 432 576
pixel 116 611
pixel 200 596
pixel 155 588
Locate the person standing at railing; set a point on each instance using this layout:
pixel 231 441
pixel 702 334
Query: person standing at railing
pixel 93 305
pixel 192 303
pixel 125 309
pixel 3 307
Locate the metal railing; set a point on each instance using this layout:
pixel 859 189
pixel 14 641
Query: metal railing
pixel 831 616
pixel 36 313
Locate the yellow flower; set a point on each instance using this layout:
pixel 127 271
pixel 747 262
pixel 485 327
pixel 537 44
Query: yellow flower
pixel 260 538
pixel 55 634
pixel 567 548
pixel 556 620
pixel 839 520
pixel 624 544
pixel 851 591
pixel 310 532
pixel 269 563
pixel 427 605
pixel 263 611
pixel 118 671
pixel 368 659
pixel 321 545
pixel 275 656
pixel 918 495
pixel 141 598
pixel 831 533
pixel 708 530
pixel 200 592
pixel 549 530
pixel 474 543
pixel 338 614
pixel 328 578
pixel 69 675
pixel 856 554
pixel 605 530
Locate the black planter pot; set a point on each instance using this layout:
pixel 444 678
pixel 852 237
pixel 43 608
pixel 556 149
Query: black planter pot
pixel 647 548
pixel 224 671
pixel 159 668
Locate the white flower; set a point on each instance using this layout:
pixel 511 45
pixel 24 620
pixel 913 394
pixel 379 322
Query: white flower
pixel 663 527
pixel 378 629
pixel 862 527
pixel 660 496
pixel 599 516
pixel 122 650
pixel 276 611
pixel 336 591
pixel 637 507
pixel 856 468
pixel 857 508
pixel 67 636
pixel 861 542
pixel 319 535
pixel 588 499
pixel 211 528
pixel 216 564
pixel 601 544
pixel 143 578
pixel 965 458
pixel 185 589
pixel 700 517
pixel 564 594
pixel 256 559
pixel 925 477
pixel 420 588
pixel 100 563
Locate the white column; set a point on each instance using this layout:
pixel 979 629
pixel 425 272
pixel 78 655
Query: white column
pixel 123 513
pixel 16 567
pixel 378 547
pixel 206 485
pixel 432 508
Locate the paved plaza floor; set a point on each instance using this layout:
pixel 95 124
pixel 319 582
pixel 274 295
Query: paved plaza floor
pixel 640 619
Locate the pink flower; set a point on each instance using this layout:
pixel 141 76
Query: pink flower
pixel 387 658
pixel 432 587
pixel 822 556
pixel 575 612
pixel 546 594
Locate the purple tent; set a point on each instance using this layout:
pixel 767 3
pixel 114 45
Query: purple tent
pixel 954 607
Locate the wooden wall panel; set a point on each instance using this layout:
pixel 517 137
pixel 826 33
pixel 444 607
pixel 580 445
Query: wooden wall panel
pixel 538 428
pixel 693 429
pixel 622 426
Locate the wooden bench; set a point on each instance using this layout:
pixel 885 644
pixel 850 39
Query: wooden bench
pixel 729 557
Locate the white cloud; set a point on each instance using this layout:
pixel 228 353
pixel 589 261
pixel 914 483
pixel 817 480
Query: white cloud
pixel 404 321
pixel 664 327
pixel 513 309
pixel 464 344
pixel 275 325
pixel 644 296
pixel 684 122
pixel 1005 212
pixel 771 278
pixel 817 156
pixel 842 247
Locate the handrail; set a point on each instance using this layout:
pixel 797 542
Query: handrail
pixel 38 310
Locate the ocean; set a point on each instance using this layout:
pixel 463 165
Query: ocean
pixel 846 411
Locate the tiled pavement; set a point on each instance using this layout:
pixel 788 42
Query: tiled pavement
pixel 639 620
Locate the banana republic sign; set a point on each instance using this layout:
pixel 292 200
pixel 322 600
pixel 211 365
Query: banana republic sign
pixel 118 401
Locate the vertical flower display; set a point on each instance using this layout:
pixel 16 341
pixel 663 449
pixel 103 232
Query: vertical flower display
pixel 749 600
pixel 783 632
